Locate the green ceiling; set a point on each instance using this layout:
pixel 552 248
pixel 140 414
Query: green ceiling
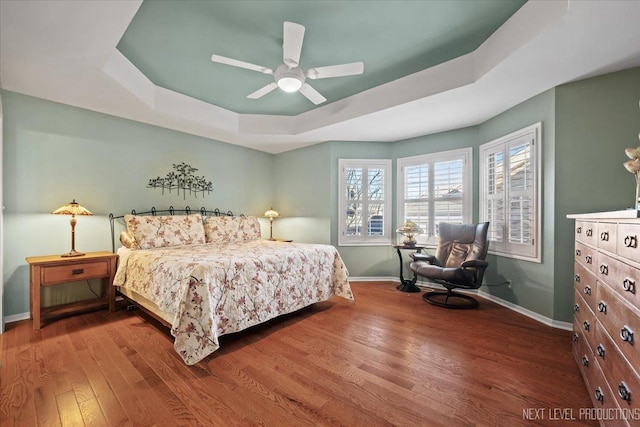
pixel 171 42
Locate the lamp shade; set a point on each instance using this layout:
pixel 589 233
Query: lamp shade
pixel 271 213
pixel 72 208
pixel 409 229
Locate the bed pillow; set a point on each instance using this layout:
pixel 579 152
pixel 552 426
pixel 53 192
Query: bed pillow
pixel 249 228
pixel 224 229
pixel 164 231
pixel 126 239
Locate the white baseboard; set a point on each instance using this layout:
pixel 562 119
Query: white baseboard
pixel 17 317
pixel 511 306
pixel 374 279
pixel 532 314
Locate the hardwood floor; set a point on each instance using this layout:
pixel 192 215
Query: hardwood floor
pixel 386 359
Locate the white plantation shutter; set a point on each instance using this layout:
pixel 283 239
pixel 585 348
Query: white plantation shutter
pixel 365 202
pixel 509 182
pixel 520 191
pixel 494 196
pixel 435 188
pixel 416 195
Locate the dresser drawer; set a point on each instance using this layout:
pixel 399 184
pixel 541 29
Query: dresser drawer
pixel 622 323
pixel 584 282
pixel 586 232
pixel 621 277
pixel 586 256
pixel 607 232
pixel 582 351
pixel 622 379
pixel 628 245
pixel 601 394
pixel 72 272
pixel 584 320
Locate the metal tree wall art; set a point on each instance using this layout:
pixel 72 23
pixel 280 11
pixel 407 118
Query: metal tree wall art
pixel 182 178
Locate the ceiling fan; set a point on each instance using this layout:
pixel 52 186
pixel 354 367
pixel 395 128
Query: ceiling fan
pixel 289 76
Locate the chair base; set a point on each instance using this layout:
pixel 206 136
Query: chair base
pixel 450 299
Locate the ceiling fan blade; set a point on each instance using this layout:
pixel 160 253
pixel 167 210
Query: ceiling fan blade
pixel 293 34
pixel 341 70
pixel 241 64
pixel 311 94
pixel 262 91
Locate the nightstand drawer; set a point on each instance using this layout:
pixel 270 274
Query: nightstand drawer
pixel 70 273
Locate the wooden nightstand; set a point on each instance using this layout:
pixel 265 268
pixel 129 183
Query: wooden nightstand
pixel 54 270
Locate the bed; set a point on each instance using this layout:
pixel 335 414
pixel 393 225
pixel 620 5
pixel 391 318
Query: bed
pixel 210 274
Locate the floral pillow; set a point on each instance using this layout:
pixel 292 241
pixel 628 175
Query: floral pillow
pixel 164 231
pixel 249 228
pixel 221 229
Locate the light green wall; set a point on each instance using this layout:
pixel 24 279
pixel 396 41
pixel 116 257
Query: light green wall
pixel 532 284
pixel 586 126
pixel 585 115
pixel 54 153
pixel 596 119
pixel 307 183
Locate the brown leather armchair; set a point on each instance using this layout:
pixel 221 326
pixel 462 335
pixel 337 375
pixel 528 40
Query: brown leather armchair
pixel 459 263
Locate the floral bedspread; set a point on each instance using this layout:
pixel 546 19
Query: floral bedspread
pixel 219 288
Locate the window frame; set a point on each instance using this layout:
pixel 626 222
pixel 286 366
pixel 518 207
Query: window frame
pixel 466 154
pixel 532 252
pixel 365 239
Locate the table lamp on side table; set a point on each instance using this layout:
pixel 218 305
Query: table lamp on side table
pixel 409 229
pixel 271 214
pixel 72 209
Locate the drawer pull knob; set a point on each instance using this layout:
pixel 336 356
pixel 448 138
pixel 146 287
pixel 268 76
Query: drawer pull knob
pixel 576 278
pixel 604 269
pixel 604 236
pixel 600 350
pixel 579 230
pixel 77 271
pixel 631 241
pixel 585 361
pixel 586 326
pixel 587 290
pixel 578 252
pixel 576 308
pixel 626 334
pixel 589 232
pixel 588 259
pixel 623 392
pixel 575 337
pixel 599 395
pixel 629 285
pixel 602 307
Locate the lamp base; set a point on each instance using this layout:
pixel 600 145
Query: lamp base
pixel 72 254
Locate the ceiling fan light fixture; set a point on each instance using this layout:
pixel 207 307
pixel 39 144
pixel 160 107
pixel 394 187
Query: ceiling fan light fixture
pixel 289 79
pixel 289 84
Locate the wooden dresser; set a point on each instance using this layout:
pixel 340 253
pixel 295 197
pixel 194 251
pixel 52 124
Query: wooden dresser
pixel 606 321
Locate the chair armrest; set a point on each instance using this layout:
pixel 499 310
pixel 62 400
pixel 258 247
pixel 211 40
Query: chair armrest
pixel 424 257
pixel 475 263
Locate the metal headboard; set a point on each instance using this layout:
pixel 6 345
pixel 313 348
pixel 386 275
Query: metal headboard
pixel 171 211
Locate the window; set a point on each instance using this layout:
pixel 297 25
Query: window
pixel 509 188
pixel 365 203
pixel 435 188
